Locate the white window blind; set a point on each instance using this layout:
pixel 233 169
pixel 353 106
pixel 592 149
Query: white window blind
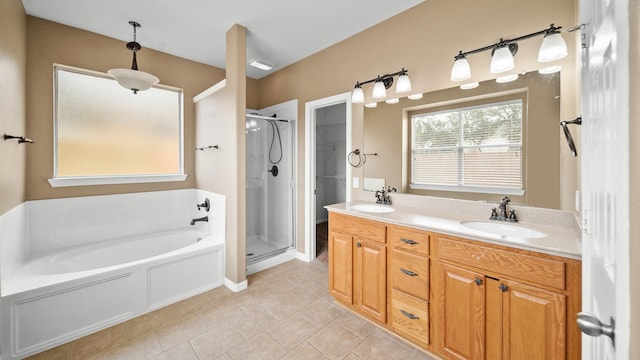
pixel 475 148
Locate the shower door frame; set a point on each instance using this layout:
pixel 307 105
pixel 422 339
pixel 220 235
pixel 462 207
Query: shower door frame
pixel 286 110
pixel 310 166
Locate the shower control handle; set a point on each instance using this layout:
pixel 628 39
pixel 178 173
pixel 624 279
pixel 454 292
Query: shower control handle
pixel 206 205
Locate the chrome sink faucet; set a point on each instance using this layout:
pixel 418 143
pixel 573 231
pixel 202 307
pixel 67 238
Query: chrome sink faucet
pixel 511 217
pixel 382 196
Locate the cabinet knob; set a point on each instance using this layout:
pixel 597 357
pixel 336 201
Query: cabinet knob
pixel 358 244
pixel 503 287
pixel 478 281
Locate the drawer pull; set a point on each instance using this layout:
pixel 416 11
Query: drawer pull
pixel 409 241
pixel 409 315
pixel 410 273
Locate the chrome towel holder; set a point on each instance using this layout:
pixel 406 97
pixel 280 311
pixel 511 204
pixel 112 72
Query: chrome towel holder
pixel 21 139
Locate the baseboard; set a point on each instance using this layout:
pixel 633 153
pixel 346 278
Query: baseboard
pixel 235 287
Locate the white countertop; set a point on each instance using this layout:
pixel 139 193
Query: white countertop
pixel 562 239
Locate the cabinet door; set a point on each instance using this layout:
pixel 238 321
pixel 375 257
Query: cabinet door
pixel 534 323
pixel 464 313
pixel 340 267
pixel 370 278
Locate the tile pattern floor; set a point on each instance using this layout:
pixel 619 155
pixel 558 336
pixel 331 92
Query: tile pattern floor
pixel 285 313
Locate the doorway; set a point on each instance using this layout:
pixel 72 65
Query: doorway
pixel 328 136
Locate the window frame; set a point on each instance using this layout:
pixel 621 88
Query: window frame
pixel 466 104
pixel 65 181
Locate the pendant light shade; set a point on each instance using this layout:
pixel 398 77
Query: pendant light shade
pixel 133 79
pixel 357 96
pixel 379 91
pixel 404 84
pixel 553 47
pixel 461 70
pixel 502 60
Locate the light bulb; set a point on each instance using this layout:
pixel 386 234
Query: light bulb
pixel 553 47
pixel 357 97
pixel 502 60
pixel 461 70
pixel 404 84
pixel 379 91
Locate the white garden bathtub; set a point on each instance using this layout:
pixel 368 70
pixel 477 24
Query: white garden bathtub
pixel 60 294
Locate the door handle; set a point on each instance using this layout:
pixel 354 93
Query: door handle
pixel 358 244
pixel 478 281
pixel 592 326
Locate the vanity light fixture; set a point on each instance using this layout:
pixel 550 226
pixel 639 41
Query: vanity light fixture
pixel 381 84
pixel 133 79
pixel 553 48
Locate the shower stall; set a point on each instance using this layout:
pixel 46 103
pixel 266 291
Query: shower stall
pixel 269 186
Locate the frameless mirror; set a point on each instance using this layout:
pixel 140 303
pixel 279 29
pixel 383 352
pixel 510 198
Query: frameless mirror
pixel 535 153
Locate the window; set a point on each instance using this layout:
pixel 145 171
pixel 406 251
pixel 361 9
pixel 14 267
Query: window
pixel 105 134
pixel 472 149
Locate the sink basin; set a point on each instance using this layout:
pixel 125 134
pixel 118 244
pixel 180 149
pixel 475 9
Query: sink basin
pixel 505 229
pixel 373 208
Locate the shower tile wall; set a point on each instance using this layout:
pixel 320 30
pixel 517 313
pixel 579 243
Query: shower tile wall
pixel 330 158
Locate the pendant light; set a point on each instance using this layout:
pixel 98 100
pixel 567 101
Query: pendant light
pixel 357 97
pixel 133 79
pixel 461 70
pixel 404 84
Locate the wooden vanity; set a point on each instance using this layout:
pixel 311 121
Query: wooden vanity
pixel 456 297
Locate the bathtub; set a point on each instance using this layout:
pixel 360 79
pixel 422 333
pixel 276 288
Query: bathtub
pixel 60 294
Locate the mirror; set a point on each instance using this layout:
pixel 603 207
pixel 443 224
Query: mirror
pixel 387 133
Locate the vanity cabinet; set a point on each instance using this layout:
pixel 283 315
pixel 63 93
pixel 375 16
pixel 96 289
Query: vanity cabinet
pixel 358 265
pixel 499 303
pixel 409 275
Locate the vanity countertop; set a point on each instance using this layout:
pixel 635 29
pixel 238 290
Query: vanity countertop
pixel 562 239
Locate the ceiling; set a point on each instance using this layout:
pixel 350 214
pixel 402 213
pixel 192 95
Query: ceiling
pixel 278 31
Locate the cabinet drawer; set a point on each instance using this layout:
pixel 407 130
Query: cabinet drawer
pixel 358 227
pixel 409 239
pixel 526 267
pixel 410 273
pixel 410 317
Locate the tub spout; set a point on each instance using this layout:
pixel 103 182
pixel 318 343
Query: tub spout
pixel 204 218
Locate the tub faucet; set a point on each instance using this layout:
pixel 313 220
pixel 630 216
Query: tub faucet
pixel 204 218
pixel 511 217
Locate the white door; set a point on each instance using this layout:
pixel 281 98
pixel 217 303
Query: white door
pixel 605 178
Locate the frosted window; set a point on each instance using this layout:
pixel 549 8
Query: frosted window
pixel 103 129
pixel 475 147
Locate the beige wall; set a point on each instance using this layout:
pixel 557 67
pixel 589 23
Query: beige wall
pixel 220 121
pixel 13 120
pixel 49 43
pixel 424 40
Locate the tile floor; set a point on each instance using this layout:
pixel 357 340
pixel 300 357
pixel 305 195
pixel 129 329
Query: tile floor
pixel 285 313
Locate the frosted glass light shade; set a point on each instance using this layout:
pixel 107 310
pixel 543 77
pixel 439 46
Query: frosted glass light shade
pixel 404 84
pixel 379 91
pixel 502 60
pixel 133 79
pixel 553 48
pixel 461 70
pixel 357 96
